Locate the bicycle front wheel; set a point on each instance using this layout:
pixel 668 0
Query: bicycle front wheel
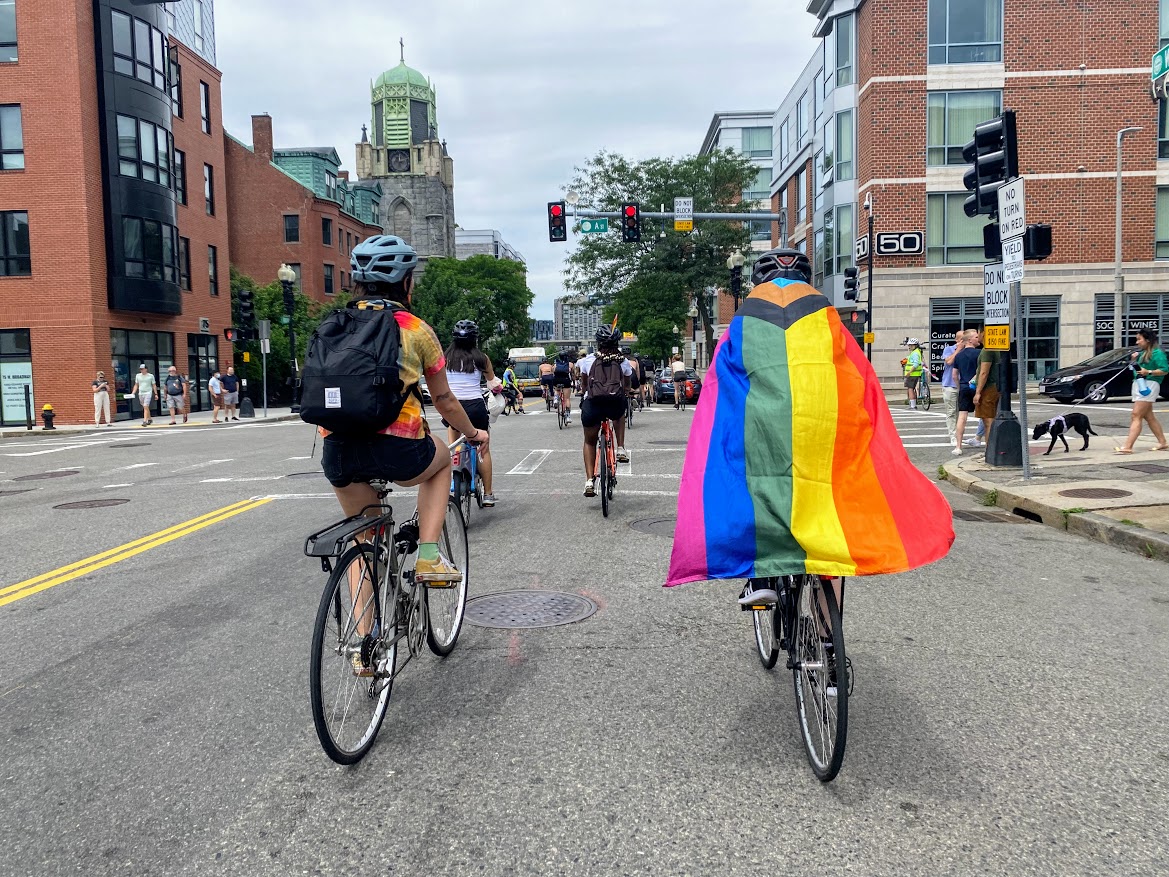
pixel 820 677
pixel 465 497
pixel 348 708
pixel 445 606
pixel 925 398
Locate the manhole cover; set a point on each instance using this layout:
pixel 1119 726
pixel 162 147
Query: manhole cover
pixel 985 517
pixel 131 445
pixel 305 474
pixel 14 492
pixel 91 504
pixel 1095 493
pixel 676 443
pixel 663 527
pixel 516 609
pixel 41 476
pixel 1148 468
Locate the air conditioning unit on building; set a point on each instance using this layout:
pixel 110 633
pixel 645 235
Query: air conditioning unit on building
pixel 205 325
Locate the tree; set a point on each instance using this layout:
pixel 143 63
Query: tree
pixel 492 292
pixel 657 278
pixel 551 350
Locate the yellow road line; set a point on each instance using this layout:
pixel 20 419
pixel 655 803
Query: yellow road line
pixel 27 588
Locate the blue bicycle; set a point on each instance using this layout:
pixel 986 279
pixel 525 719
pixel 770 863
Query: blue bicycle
pixel 465 481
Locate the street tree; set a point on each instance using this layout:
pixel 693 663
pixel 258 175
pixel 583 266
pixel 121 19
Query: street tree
pixel 492 292
pixel 667 267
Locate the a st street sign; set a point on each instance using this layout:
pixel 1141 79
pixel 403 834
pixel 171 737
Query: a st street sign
pixel 593 226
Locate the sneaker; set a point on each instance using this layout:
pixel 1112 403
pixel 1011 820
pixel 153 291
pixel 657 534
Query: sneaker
pixel 754 595
pixel 972 443
pixel 957 452
pixel 590 487
pixel 439 573
pixel 489 501
pixel 360 668
pixel 622 455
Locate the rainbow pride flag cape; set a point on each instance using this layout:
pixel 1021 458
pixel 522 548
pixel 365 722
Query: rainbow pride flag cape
pixel 793 464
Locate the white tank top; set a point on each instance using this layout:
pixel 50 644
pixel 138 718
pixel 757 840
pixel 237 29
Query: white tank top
pixel 465 385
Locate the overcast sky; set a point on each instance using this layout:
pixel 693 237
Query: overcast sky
pixel 526 90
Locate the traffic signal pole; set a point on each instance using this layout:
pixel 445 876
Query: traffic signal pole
pixel 872 252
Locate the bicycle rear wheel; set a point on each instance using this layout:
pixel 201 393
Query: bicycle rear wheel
pixel 445 606
pixel 603 470
pixel 820 677
pixel 348 709
pixel 766 624
pixel 464 497
pixel 925 397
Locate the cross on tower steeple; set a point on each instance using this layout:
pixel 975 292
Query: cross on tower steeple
pixel 402 43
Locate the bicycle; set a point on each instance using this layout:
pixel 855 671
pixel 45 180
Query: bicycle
pixel 549 395
pixel 606 469
pixel 465 481
pixel 511 406
pixel 561 412
pixel 629 412
pixel 924 396
pixel 806 623
pixel 348 708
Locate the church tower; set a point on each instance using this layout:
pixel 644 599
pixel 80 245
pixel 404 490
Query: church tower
pixel 402 152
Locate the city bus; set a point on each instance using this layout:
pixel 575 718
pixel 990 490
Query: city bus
pixel 527 367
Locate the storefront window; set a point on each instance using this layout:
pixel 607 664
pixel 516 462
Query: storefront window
pixel 128 350
pixel 15 375
pixel 1141 311
pixel 947 316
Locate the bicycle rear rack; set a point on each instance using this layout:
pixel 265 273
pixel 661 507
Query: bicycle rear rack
pixel 331 541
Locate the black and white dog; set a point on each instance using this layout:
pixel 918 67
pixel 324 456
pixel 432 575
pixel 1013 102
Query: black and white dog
pixel 1058 427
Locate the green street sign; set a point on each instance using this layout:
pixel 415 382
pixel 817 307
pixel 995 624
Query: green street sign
pixel 1161 63
pixel 285 320
pixel 593 226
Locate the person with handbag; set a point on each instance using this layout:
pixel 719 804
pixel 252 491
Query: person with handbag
pixel 1149 367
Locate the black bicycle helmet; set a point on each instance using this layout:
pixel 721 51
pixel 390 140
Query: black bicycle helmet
pixel 562 356
pixel 465 329
pixel 607 336
pixel 781 264
pixel 382 258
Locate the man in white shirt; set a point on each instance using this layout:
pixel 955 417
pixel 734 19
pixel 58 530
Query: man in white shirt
pixel 604 377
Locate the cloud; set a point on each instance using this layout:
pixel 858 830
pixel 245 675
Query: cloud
pixel 526 90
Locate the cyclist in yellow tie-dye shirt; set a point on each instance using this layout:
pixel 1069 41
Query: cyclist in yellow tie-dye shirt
pixel 404 452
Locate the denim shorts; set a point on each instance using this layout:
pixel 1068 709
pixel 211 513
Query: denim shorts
pixel 348 460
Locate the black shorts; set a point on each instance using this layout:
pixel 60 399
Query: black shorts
pixel 593 411
pixel 348 460
pixel 477 412
pixel 563 381
pixel 966 399
pixel 547 380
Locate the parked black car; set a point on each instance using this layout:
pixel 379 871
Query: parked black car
pixel 663 386
pixel 1097 379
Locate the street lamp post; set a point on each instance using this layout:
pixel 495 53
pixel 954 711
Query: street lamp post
pixel 286 276
pixel 1118 286
pixel 735 263
pixel 694 334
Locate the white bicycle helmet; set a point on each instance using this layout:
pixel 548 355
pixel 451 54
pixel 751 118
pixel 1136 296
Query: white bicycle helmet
pixel 382 258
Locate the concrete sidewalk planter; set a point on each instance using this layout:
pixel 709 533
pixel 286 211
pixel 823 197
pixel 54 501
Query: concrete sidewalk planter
pixel 1094 494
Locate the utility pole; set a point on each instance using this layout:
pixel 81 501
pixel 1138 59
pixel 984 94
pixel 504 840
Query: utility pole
pixel 1118 280
pixel 872 249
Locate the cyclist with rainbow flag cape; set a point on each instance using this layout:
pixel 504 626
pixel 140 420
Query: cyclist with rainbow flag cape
pixel 794 465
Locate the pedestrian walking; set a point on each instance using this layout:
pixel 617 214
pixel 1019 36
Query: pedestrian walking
pixel 176 390
pixel 215 388
pixel 230 393
pixel 913 366
pixel 101 400
pixel 144 388
pixel 949 385
pixel 1149 365
pixel 965 374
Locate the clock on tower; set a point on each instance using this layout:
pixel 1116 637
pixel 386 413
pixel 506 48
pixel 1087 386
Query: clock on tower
pixel 399 161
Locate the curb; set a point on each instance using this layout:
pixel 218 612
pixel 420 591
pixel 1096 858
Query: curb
pixel 84 431
pixel 1098 528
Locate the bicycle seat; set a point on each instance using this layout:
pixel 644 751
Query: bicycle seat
pixel 383 488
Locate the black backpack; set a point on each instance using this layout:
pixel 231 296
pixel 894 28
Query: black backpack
pixel 561 369
pixel 350 383
pixel 174 386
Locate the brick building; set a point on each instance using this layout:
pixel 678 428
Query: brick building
pixel 295 206
pixel 89 252
pixel 883 108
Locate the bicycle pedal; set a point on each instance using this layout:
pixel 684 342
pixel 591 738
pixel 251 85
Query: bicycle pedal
pixel 756 607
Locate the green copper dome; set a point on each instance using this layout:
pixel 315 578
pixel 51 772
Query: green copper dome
pixel 401 75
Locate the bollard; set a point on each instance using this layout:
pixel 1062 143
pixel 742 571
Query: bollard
pixel 48 414
pixel 28 407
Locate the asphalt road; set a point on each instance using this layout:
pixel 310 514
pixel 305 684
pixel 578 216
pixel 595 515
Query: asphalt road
pixel 1008 714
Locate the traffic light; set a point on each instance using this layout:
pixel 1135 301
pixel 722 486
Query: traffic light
pixel 235 335
pixel 858 317
pixel 850 283
pixel 247 313
pixel 557 230
pixel 630 223
pixel 994 160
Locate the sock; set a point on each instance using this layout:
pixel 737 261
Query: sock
pixel 428 551
pixel 912 405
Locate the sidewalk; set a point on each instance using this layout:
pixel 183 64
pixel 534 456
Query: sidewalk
pixel 1115 499
pixel 196 418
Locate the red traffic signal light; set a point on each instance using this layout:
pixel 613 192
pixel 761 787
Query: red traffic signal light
pixel 557 230
pixel 631 224
pixel 630 210
pixel 235 335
